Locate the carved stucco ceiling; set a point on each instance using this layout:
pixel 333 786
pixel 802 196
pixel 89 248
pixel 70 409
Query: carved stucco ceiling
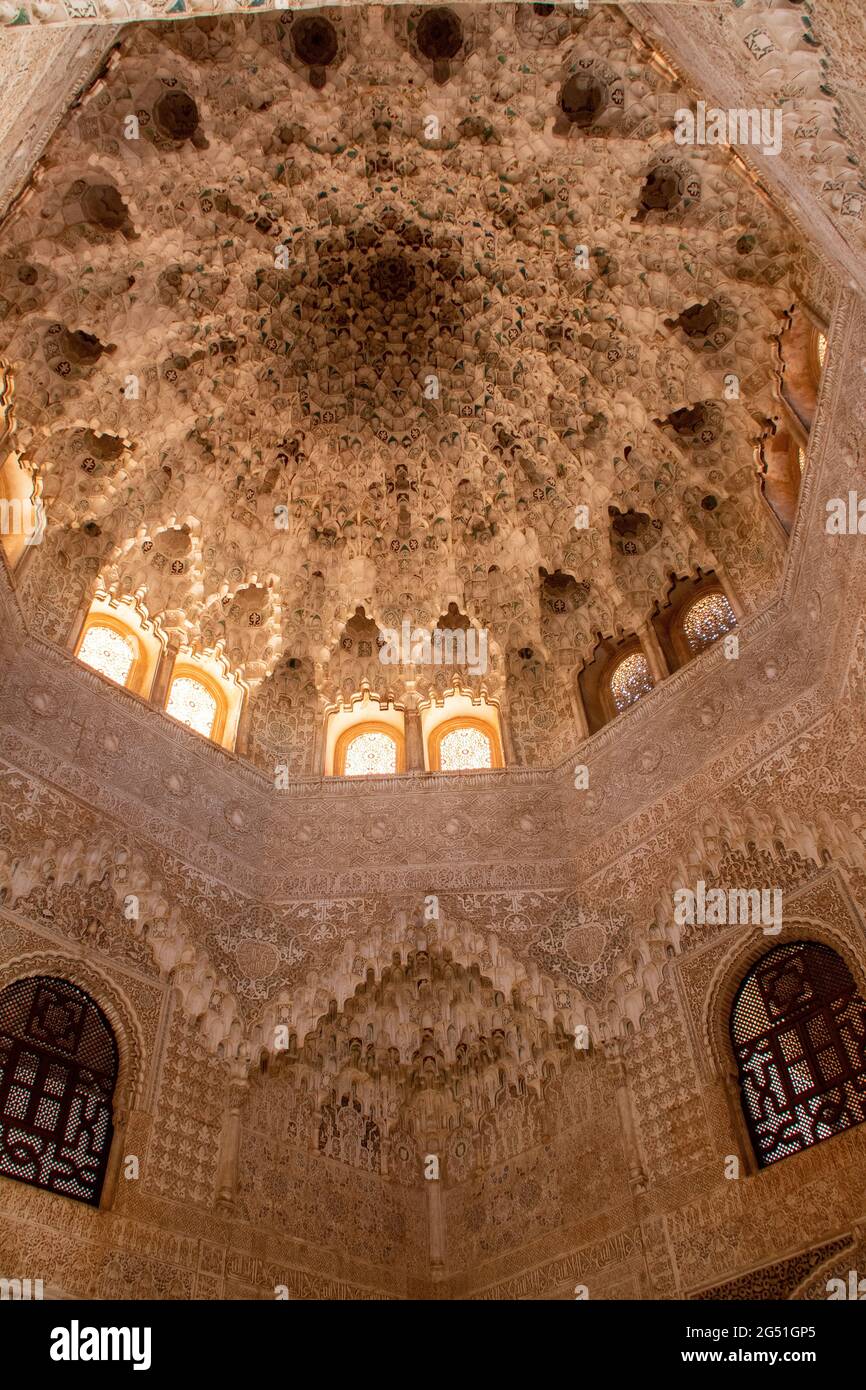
pixel 428 1044
pixel 408 413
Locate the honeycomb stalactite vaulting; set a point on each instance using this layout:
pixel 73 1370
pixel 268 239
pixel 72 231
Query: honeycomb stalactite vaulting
pixel 319 325
pixel 375 343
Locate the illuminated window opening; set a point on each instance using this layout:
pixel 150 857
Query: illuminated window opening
pixel 191 703
pixel 817 355
pixel 629 680
pixel 365 712
pixel 464 744
pixel 113 629
pixel 369 749
pixel 464 747
pixel 707 619
pixel 205 696
pixel 109 651
pixel 22 512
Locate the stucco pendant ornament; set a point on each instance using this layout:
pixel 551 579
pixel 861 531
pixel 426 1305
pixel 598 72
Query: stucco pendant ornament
pixel 709 712
pixel 42 702
pixel 591 801
pixel 774 667
pixel 649 759
pixel 236 817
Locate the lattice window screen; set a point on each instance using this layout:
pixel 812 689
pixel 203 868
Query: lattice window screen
pixel 798 1027
pixel 58 1068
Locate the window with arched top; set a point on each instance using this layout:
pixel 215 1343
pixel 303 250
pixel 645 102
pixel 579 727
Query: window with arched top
pixel 58 1069
pixel 205 696
pixel 193 704
pixel 706 620
pixel 370 749
pixel 798 1028
pixel 629 679
pixel 465 747
pixel 464 744
pixel 118 640
pixel 110 651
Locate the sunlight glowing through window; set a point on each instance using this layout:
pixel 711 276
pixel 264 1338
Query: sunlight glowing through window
pixel 630 679
pixel 192 704
pixel 369 753
pixel 107 652
pixel 708 620
pixel 464 748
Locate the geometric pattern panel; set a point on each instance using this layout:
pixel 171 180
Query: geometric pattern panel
pixel 58 1068
pixel 798 1027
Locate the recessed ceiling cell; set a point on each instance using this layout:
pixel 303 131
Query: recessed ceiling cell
pixel 174 542
pixel 103 205
pixel 700 319
pixel 688 420
pixel 561 593
pixel 440 34
pixel 315 41
pixel 583 99
pixel 103 446
pixel 176 115
pixel 392 277
pixel 661 192
pixel 81 348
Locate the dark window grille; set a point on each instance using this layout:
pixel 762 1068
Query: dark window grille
pixel 58 1068
pixel 798 1027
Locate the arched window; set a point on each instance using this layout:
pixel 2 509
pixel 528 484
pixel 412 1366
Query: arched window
pixel 464 747
pixel 630 679
pixel 706 620
pixel 109 651
pixel 205 696
pixel 58 1068
pixel 190 702
pixel 464 744
pixel 798 1027
pixel 368 749
pixel 119 640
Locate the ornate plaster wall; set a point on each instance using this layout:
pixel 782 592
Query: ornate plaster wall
pixel 300 1164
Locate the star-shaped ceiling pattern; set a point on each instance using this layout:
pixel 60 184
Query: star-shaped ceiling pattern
pixel 317 312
